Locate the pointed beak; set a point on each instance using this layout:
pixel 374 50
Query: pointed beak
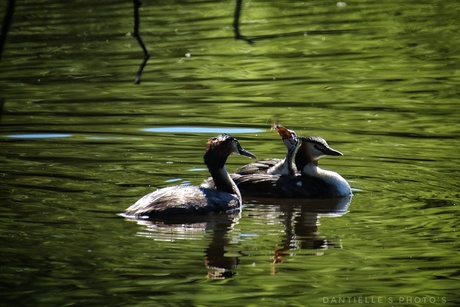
pixel 246 153
pixel 332 152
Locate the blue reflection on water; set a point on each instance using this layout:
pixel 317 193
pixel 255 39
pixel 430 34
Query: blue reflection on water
pixel 38 136
pixel 216 130
pixel 172 129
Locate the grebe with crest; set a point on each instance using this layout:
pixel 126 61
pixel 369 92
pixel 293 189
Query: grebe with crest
pixel 274 166
pixel 193 200
pixel 270 166
pixel 310 181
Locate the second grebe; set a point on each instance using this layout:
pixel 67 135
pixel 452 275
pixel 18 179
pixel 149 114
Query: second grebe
pixel 271 166
pixel 274 166
pixel 312 182
pixel 187 200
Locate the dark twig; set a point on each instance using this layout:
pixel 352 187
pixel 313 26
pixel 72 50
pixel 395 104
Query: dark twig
pixel 137 4
pixel 2 104
pixel 6 24
pixel 236 23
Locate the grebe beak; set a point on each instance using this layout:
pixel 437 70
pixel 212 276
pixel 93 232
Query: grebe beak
pixel 246 153
pixel 331 152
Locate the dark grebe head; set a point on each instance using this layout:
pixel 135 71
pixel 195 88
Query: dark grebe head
pixel 220 147
pixel 312 148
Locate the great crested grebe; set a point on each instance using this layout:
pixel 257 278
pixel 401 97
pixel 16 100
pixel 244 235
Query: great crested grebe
pixel 188 200
pixel 270 166
pixel 274 166
pixel 311 182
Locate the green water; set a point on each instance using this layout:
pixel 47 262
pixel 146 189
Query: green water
pixel 80 142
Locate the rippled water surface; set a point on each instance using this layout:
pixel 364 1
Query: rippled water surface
pixel 80 142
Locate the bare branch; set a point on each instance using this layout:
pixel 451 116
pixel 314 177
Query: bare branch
pixel 137 35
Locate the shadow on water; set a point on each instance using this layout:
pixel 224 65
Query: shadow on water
pixel 7 19
pixel 300 219
pixel 2 104
pixel 236 30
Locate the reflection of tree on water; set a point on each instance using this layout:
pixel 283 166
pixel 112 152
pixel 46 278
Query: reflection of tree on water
pixel 300 218
pixel 194 228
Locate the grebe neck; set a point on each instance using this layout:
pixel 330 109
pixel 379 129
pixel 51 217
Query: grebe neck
pixel 332 178
pixel 224 182
pixel 312 169
pixel 285 166
pixel 288 161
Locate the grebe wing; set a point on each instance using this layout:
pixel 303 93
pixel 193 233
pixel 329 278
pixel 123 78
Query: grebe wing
pixel 260 166
pixel 183 200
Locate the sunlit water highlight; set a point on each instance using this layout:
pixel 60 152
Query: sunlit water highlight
pixel 209 130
